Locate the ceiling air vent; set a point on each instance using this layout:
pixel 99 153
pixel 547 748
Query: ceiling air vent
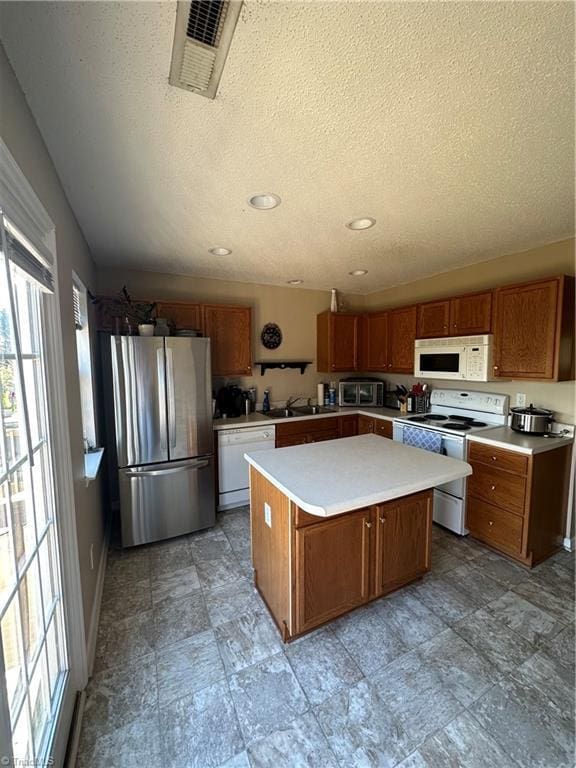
pixel 203 34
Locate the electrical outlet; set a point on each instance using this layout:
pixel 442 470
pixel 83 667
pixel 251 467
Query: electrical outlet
pixel 91 557
pixel 267 515
pixel 520 399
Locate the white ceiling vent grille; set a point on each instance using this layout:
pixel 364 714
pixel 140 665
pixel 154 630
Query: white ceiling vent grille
pixel 203 34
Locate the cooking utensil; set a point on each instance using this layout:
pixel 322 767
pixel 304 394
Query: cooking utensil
pixel 531 420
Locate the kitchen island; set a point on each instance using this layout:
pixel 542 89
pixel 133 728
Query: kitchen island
pixel 339 523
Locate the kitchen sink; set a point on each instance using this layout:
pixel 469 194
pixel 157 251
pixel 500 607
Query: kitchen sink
pixel 290 413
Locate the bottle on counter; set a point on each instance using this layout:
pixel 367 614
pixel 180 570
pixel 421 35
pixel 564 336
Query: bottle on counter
pixel 332 396
pixel 326 396
pixel 266 401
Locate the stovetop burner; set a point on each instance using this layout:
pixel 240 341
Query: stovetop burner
pixel 437 417
pixel 459 426
pixel 418 419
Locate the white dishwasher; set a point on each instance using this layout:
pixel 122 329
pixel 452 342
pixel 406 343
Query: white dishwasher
pixel 233 482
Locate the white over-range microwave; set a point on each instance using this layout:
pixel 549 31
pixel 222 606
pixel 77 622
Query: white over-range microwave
pixel 462 358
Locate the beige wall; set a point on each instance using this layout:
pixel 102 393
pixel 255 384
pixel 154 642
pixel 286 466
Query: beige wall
pixel 293 309
pixel 553 259
pixel 20 133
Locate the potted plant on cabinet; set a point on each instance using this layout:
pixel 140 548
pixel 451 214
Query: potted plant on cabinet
pixel 114 310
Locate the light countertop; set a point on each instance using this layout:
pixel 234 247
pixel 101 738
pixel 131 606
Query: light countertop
pixel 258 419
pixel 505 437
pixel 336 476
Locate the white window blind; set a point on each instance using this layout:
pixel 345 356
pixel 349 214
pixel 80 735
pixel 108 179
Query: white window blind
pixel 78 317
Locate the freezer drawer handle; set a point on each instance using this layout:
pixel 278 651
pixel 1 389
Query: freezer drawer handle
pixel 156 472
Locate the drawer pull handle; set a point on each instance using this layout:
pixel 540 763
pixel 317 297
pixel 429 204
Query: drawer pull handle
pixel 492 487
pixel 367 524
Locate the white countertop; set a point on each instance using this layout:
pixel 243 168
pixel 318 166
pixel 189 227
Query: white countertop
pixel 505 437
pixel 258 419
pixel 336 476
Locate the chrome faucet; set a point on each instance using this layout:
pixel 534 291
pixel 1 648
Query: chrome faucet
pixel 291 400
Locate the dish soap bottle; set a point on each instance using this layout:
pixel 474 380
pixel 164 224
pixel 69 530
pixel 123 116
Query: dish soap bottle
pixel 266 401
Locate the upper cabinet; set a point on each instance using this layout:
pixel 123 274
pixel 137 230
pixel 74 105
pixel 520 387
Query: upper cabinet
pixel 337 341
pixel 230 331
pixel 374 356
pixel 471 315
pixel 181 313
pixel 401 337
pixel 534 330
pixel 462 316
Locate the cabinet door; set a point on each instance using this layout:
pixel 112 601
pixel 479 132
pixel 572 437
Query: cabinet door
pixel 525 330
pixel 365 425
pixel 404 540
pixel 344 342
pixel 332 568
pixel 375 342
pixel 348 426
pixel 401 337
pixel 284 442
pixel 182 314
pixel 383 428
pixel 433 319
pixel 230 330
pixel 471 315
pixel 330 431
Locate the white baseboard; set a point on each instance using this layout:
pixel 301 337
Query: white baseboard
pixel 76 727
pixel 95 615
pixel 569 544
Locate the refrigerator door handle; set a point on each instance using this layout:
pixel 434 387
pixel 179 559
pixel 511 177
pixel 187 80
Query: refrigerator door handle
pixel 193 465
pixel 171 396
pixel 161 397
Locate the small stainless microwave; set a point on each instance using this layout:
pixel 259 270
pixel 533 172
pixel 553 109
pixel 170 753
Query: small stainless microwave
pixel 360 392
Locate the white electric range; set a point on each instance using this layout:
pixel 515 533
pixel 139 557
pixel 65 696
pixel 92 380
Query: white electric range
pixel 453 414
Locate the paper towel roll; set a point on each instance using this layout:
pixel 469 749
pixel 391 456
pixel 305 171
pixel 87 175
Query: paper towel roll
pixel 320 395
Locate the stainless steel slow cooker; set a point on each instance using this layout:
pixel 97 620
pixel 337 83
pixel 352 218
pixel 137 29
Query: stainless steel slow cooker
pixel 532 421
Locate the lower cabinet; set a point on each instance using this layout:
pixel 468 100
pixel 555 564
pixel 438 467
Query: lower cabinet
pixel 309 431
pixel 369 425
pixel 332 567
pixel 348 425
pixel 516 503
pixel 342 562
pixel 403 541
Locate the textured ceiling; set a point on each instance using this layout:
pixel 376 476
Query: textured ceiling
pixel 451 124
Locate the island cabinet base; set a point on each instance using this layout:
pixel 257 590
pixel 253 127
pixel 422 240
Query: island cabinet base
pixel 311 569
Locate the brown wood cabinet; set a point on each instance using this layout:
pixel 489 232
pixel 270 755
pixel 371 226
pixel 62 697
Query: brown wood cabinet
pixel 230 330
pixel 307 431
pixel 181 313
pixel 337 341
pixel 403 545
pixel 374 346
pixel 401 337
pixel 461 316
pixel 534 330
pixel 516 503
pixel 370 425
pixel 312 569
pixel 348 425
pixel 332 568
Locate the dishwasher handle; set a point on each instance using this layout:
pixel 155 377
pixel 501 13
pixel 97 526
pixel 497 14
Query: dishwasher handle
pixel 237 438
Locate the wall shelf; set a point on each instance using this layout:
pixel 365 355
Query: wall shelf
pixel 269 364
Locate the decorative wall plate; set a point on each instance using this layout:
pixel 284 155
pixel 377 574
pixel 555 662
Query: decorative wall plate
pixel 271 336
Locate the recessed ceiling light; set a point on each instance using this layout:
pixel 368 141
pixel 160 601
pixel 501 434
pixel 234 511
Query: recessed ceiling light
pixel 220 251
pixel 358 272
pixel 364 223
pixel 295 282
pixel 264 201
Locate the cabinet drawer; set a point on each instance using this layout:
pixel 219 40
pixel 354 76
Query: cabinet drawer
pixel 307 426
pixel 494 526
pixel 498 457
pixel 502 489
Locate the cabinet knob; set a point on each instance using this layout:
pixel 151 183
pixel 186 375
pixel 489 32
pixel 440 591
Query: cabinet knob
pixel 492 487
pixel 495 367
pixel 490 522
pixel 382 520
pixel 368 524
pixel 493 458
pixel 453 325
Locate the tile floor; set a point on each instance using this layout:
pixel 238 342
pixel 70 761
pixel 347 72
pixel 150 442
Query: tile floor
pixel 471 667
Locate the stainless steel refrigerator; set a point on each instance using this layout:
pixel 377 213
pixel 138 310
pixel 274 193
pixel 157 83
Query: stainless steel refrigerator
pixel 163 423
